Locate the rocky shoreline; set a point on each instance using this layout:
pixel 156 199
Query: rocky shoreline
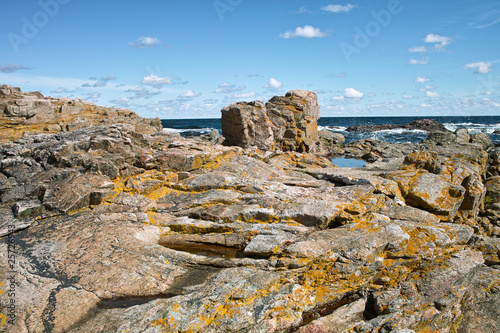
pixel 119 226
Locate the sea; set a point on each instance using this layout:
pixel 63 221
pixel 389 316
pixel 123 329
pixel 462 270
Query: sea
pixel 475 124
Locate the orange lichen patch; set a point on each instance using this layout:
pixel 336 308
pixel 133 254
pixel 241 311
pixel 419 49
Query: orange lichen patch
pixel 426 330
pixel 406 178
pixel 360 211
pixel 218 160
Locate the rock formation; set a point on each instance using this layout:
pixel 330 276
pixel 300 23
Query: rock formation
pixel 117 230
pixel 420 124
pixel 31 112
pixel 286 123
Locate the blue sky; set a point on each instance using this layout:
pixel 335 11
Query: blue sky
pixel 188 59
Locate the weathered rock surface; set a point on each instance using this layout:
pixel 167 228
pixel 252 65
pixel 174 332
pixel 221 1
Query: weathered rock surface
pixel 287 123
pixel 421 124
pixel 31 112
pixel 117 230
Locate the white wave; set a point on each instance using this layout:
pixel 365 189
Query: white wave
pixel 473 128
pixel 400 131
pixel 195 130
pixel 333 128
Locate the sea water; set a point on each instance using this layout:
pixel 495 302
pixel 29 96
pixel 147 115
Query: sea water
pixel 475 124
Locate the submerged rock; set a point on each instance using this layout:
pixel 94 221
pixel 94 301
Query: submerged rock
pixel 420 124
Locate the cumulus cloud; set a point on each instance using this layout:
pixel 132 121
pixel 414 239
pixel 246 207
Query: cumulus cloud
pixel 92 96
pixel 60 90
pixel 11 68
pixel 121 102
pixel 480 67
pixel 419 49
pixel 144 42
pixel 439 41
pixel 153 80
pixel 189 95
pixel 423 61
pixel 227 88
pixel 250 94
pixel 422 79
pixel 338 8
pixel 303 10
pixel 141 92
pixel 274 84
pixel 432 94
pixel 307 31
pixel 352 93
pixel 424 88
pixel 101 82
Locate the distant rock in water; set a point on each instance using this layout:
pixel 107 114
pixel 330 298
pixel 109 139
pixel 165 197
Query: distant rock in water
pixel 31 112
pixel 421 124
pixel 287 123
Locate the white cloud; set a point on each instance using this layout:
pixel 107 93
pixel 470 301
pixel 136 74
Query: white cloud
pixel 144 42
pixel 60 90
pixel 423 61
pixel 352 93
pixel 424 88
pixel 226 88
pixel 307 31
pixel 420 49
pixel 303 10
pixel 338 98
pixel 439 41
pixel 338 8
pixel 153 80
pixel 102 82
pixel 432 94
pixel 189 95
pixel 480 67
pixel 121 102
pixel 142 92
pixel 250 94
pixel 274 84
pixel 407 96
pixel 422 79
pixel 93 96
pixel 11 68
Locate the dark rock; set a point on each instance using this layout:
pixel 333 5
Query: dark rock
pixel 421 124
pixel 441 138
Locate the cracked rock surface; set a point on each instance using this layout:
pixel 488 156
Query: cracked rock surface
pixel 117 229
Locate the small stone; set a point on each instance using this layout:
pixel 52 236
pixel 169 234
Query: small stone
pixel 27 208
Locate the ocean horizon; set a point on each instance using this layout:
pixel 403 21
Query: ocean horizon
pixel 474 124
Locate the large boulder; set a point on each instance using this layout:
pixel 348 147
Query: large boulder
pixel 287 123
pixel 246 125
